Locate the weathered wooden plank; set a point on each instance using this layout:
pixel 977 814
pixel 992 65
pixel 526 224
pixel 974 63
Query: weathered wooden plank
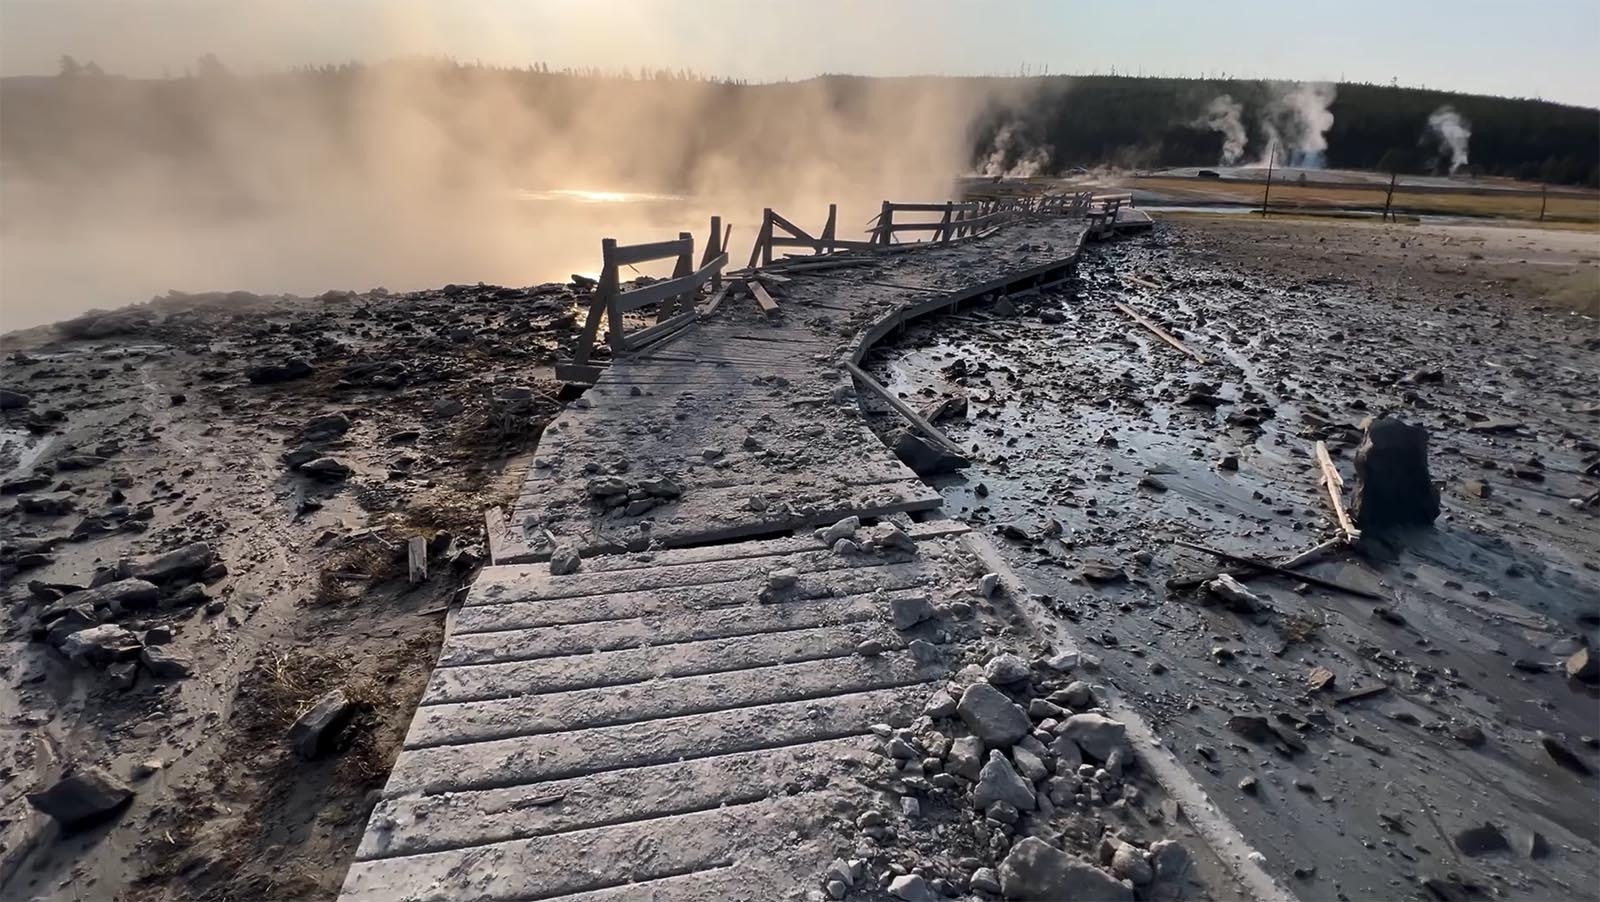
pixel 627 254
pixel 763 299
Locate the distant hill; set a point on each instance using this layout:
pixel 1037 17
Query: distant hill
pixel 676 127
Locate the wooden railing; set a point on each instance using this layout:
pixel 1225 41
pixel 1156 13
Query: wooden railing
pixel 675 298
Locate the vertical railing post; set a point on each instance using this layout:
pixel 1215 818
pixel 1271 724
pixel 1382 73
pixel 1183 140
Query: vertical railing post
pixel 828 229
pixel 683 302
pixel 944 223
pixel 766 236
pixel 885 223
pixel 713 248
pixel 608 291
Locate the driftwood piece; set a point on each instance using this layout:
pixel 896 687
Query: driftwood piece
pixel 1334 484
pixel 1274 568
pixel 763 299
pixel 1161 333
pixel 417 559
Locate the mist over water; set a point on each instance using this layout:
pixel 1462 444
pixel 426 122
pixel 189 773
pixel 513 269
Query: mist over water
pixel 415 174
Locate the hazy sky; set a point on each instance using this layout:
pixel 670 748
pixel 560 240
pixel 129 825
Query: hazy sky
pixel 1548 49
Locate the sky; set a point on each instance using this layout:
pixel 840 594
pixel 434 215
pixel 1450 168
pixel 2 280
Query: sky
pixel 1549 49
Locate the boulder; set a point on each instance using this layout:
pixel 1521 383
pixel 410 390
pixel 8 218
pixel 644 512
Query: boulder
pixel 14 400
pixel 100 645
pixel 82 799
pixel 324 427
pixel 47 504
pixel 122 595
pixel 993 717
pixel 162 664
pixel 187 562
pixel 998 781
pixel 923 458
pixel 326 469
pixel 1097 735
pixel 1036 870
pixel 1006 670
pixel 269 373
pixel 1392 486
pixel 314 733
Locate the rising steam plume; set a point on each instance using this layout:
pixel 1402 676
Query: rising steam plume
pixel 1224 116
pixel 1452 132
pixel 1296 123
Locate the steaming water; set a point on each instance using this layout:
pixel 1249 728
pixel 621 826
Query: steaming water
pixel 54 270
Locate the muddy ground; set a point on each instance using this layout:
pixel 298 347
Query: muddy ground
pixel 1096 446
pixel 144 433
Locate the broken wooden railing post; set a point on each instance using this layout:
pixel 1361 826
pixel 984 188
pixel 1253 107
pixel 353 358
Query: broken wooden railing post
pixel 713 248
pixel 608 293
pixel 885 223
pixel 944 223
pixel 761 252
pixel 828 229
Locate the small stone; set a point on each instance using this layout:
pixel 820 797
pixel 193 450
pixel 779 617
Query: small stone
pixel 101 645
pixel 843 529
pixel 1128 863
pixel 1532 844
pixel 1077 696
pixel 326 469
pixel 122 675
pixel 187 562
pixel 984 880
pixel 992 716
pixel 1171 860
pixel 784 578
pixel 872 648
pixel 162 665
pixel 145 769
pixel 966 758
pixel 910 888
pixel 1583 666
pixel 1034 869
pixel 315 731
pixel 906 613
pixel 1006 670
pixel 565 559
pixel 1000 782
pixel 1564 756
pixel 1028 754
pixel 1319 679
pixel 1249 785
pixel 87 797
pixel 940 705
pixel 987 584
pixel 1097 735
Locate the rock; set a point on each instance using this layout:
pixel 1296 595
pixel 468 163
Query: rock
pixel 872 648
pixel 1583 666
pixel 940 705
pixel 1035 870
pixel 1392 485
pixel 1532 844
pixel 269 373
pixel 446 408
pixel 661 487
pixel 47 504
pixel 326 469
pixel 910 888
pixel 1252 727
pixel 1097 735
pixel 1103 573
pixel 122 595
pixel 1319 678
pixel 122 675
pixel 1171 860
pixel 1482 840
pixel 844 529
pixel 1064 662
pixel 101 645
pixel 906 613
pixel 992 717
pixel 966 758
pixel 1249 785
pixel 162 665
pixel 783 578
pixel 186 562
pixel 565 559
pixel 1477 488
pixel 923 458
pixel 1029 754
pixel 987 584
pixel 1000 782
pixel 984 880
pixel 1078 695
pixel 1006 670
pixel 1068 755
pixel 1238 598
pixel 14 400
pixel 296 458
pixel 86 797
pixel 1564 756
pixel 314 733
pixel 104 324
pixel 1129 864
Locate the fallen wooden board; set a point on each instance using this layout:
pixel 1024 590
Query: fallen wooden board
pixel 904 409
pixel 1163 334
pixel 1274 568
pixel 1334 484
pixel 763 300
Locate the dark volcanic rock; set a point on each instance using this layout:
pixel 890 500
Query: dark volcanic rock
pixel 267 373
pixel 87 797
pixel 13 400
pixel 923 458
pixel 189 561
pixel 1392 487
pixel 316 730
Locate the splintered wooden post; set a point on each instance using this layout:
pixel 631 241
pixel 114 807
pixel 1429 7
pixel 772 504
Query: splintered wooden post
pixel 1268 192
pixel 1388 200
pixel 1334 484
pixel 761 238
pixel 885 223
pixel 828 229
pixel 944 223
pixel 417 559
pixel 766 237
pixel 682 303
pixel 609 292
pixel 713 248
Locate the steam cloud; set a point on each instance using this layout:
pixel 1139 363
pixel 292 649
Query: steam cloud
pixel 1013 156
pixel 1223 115
pixel 1296 123
pixel 1453 133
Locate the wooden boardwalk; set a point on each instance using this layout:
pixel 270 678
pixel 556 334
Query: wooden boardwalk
pixel 687 723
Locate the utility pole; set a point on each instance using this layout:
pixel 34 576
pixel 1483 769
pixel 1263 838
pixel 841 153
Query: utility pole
pixel 1389 200
pixel 1271 154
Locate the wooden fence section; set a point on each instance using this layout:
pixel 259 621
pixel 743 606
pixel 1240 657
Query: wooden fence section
pixel 675 298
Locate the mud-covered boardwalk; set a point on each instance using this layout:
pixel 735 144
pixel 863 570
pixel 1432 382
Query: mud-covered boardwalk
pixel 683 723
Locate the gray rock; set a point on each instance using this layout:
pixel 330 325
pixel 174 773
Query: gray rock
pixel 992 717
pixel 987 584
pixel 844 529
pixel 1006 670
pixel 1063 662
pixel 661 487
pixel 47 504
pixel 122 675
pixel 269 373
pixel 1129 864
pixel 966 757
pixel 122 595
pixel 87 797
pixel 186 562
pixel 607 486
pixel 565 559
pixel 984 880
pixel 1481 840
pixel 445 408
pixel 326 469
pixel 923 458
pixel 783 578
pixel 163 665
pixel 906 613
pixel 1068 756
pixel 1029 754
pixel 100 645
pixel 910 888
pixel 1000 782
pixel 1035 870
pixel 940 705
pixel 1097 735
pixel 326 426
pixel 1583 666
pixel 1078 695
pixel 1392 485
pixel 68 620
pixel 314 733
pixel 1171 860
pixel 14 400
